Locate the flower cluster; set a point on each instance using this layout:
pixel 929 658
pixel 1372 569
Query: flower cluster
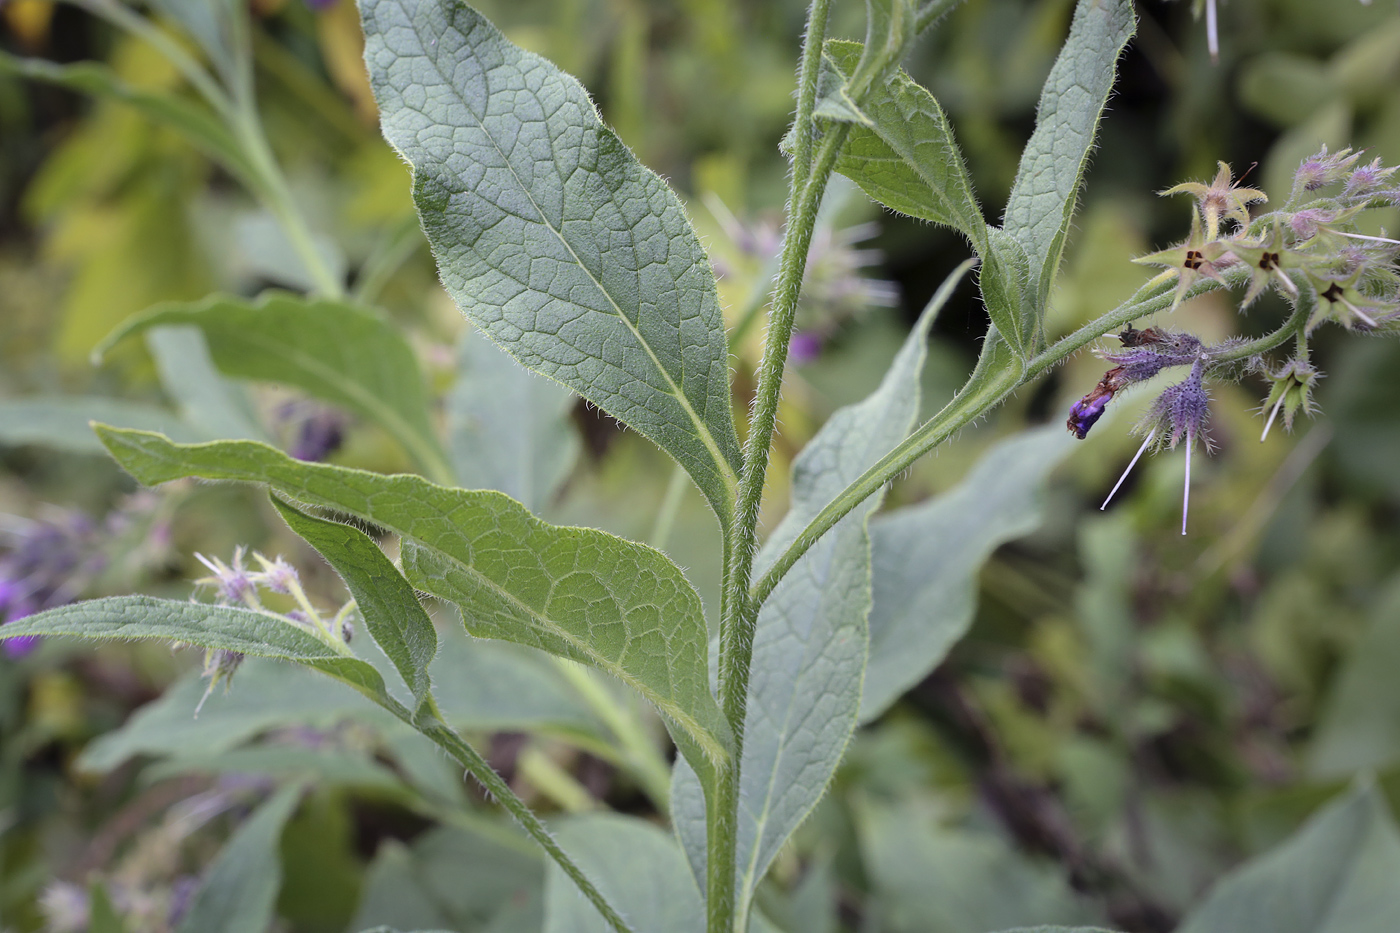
pixel 1309 252
pixel 56 559
pixel 235 584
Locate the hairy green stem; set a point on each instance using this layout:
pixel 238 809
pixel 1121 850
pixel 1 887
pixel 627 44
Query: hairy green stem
pixel 447 738
pixel 812 42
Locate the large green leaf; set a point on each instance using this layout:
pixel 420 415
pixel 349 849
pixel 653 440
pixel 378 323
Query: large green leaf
pixel 335 351
pixel 638 867
pixel 387 603
pixel 61 422
pixel 901 149
pixel 575 592
pixel 932 879
pixel 550 235
pixel 1043 197
pixel 925 560
pixel 1335 875
pixel 191 120
pixel 216 407
pixel 508 428
pixel 457 880
pixel 227 628
pixel 812 639
pixel 239 894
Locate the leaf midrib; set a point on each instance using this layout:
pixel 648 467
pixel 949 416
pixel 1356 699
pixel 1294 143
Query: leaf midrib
pixel 726 471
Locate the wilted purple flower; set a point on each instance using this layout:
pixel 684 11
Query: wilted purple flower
pixel 1180 412
pixel 1323 169
pixel 1367 179
pixel 46 563
pixel 234 582
pixel 312 431
pixel 1305 223
pixel 1145 354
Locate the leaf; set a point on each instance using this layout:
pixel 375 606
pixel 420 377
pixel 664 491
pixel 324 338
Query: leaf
pixel 639 869
pixel 455 879
pixel 61 422
pixel 1043 197
pixel 1360 723
pixel 933 879
pixel 811 642
pixel 901 151
pixel 508 428
pixel 102 916
pixel 213 24
pixel 195 122
pixel 1335 875
pixel 575 592
pixel 383 597
pixel 889 31
pixel 338 352
pixel 925 560
pixel 550 235
pixel 227 628
pixel 239 892
pixel 216 407
pixel 1008 292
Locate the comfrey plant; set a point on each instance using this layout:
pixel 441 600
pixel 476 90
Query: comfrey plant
pixel 581 264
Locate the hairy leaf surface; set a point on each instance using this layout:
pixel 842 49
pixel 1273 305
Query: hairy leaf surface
pixel 383 597
pixel 336 351
pixel 551 236
pixel 901 149
pixel 1052 165
pixel 576 592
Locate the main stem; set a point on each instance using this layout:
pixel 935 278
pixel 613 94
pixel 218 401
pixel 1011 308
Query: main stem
pixel 737 616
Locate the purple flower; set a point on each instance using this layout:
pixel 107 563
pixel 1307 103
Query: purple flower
pixel 1367 179
pixel 805 347
pixel 235 584
pixel 1323 169
pixel 1180 412
pixel 1146 353
pixel 312 431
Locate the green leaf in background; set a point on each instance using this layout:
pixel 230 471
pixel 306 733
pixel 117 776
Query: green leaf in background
pixel 509 429
pixel 550 235
pixel 933 879
pixel 901 150
pixel 265 695
pixel 639 868
pixel 336 351
pixel 1359 727
pixel 383 597
pixel 623 608
pixel 1337 874
pixel 227 628
pixel 456 879
pixel 239 892
pixel 62 422
pixel 217 26
pixel 191 120
pixel 812 639
pixel 925 560
pixel 214 406
pixel 102 916
pixel 1043 197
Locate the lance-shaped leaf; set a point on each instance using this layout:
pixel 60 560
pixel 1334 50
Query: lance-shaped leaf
pixel 900 149
pixel 550 235
pixel 336 351
pixel 576 592
pixel 508 428
pixel 1335 875
pixel 811 642
pixel 1007 291
pixel 638 867
pixel 383 597
pixel 239 894
pixel 191 120
pixel 62 422
pixel 925 558
pixel 226 628
pixel 1052 165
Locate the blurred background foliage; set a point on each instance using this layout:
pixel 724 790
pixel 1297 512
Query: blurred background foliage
pixel 1133 713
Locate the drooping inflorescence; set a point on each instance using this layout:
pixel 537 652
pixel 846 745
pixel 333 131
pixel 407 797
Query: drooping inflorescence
pixel 1309 251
